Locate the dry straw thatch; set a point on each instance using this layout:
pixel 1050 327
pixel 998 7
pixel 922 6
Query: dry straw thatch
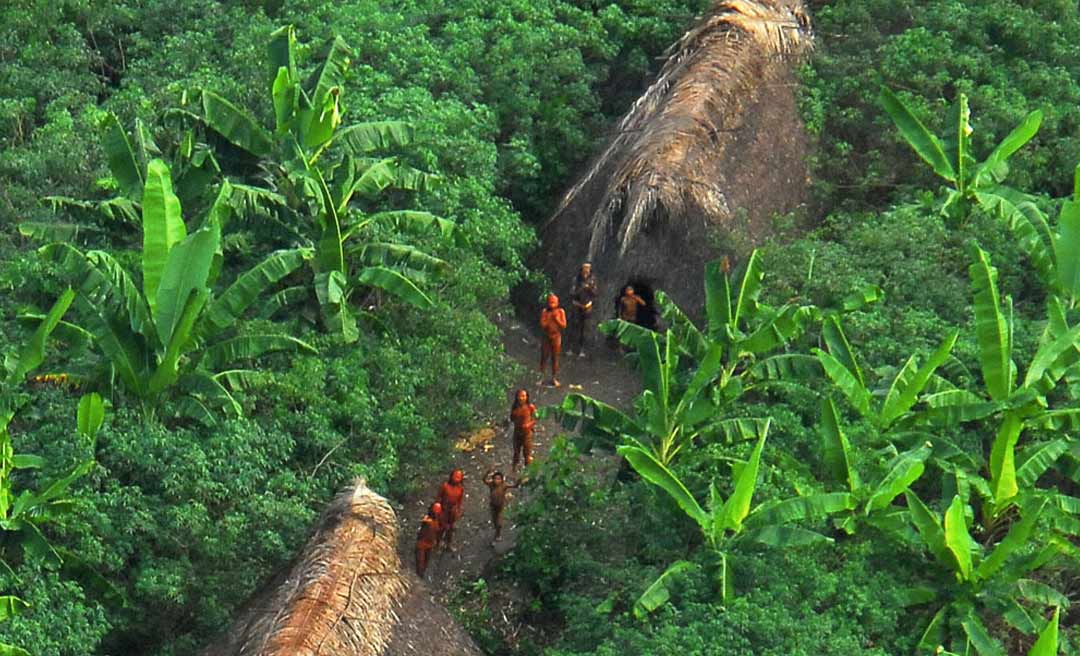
pixel 717 134
pixel 338 596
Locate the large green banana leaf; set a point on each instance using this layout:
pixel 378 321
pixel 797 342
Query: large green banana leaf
pixel 375 136
pixel 835 449
pixel 910 382
pixel 922 141
pixel 992 330
pixel 652 470
pixel 230 306
pixel 737 507
pixel 395 284
pixel 186 273
pixel 235 125
pixel 904 470
pixel 658 593
pixel 163 226
pixel 957 539
pixel 248 347
pixel 32 353
pixel 123 164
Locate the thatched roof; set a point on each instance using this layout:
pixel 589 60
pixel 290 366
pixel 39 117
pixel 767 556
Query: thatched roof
pixel 713 147
pixel 339 595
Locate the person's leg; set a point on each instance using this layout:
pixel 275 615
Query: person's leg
pixel 556 350
pixel 422 552
pixel 527 447
pixel 583 339
pixel 497 522
pixel 517 451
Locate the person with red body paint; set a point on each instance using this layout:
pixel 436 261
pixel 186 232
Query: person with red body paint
pixel 452 498
pixel 552 323
pixel 523 416
pixel 427 538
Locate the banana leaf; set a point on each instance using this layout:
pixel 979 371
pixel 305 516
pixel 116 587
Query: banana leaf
pixel 992 330
pixel 652 470
pixel 836 452
pixel 228 308
pixel 235 125
pixel 904 470
pixel 375 136
pixel 395 284
pixel 926 145
pixel 658 593
pixel 163 227
pixel 32 353
pixel 249 347
pixel 910 382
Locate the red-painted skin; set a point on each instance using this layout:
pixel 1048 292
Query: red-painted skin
pixel 552 323
pixel 523 414
pixel 427 537
pixel 452 498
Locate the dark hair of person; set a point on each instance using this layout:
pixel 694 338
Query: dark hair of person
pixel 517 401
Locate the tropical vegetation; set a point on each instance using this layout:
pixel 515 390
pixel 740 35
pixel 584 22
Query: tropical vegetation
pixel 259 249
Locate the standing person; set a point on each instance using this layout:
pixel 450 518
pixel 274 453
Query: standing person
pixel 428 537
pixel 552 323
pixel 629 303
pixel 523 415
pixel 452 498
pixel 582 294
pixel 500 494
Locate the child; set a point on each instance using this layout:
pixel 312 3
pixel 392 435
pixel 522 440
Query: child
pixel 500 494
pixel 428 537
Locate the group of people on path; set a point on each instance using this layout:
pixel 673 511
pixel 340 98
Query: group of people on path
pixel 437 526
pixel 583 295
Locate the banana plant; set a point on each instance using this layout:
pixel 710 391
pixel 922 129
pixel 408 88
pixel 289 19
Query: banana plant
pixel 1016 404
pixel 729 525
pixel 314 197
pixel 976 578
pixel 171 333
pixel 972 183
pixel 873 500
pixel 894 412
pixel 669 414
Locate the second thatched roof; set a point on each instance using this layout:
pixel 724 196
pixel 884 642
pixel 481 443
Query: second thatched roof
pixel 338 596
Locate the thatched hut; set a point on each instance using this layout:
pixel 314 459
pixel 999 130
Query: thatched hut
pixel 343 595
pixel 699 165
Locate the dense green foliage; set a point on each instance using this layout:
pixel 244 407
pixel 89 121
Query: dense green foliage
pixel 1009 57
pixel 919 480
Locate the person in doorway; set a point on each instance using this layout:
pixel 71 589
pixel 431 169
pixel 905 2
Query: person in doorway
pixel 582 294
pixel 552 323
pixel 427 538
pixel 451 498
pixel 629 303
pixel 523 416
pixel 500 495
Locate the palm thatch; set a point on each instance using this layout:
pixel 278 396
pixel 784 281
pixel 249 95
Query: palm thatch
pixel 715 137
pixel 338 596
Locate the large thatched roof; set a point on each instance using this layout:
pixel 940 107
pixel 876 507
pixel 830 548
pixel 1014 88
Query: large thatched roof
pixel 702 160
pixel 343 595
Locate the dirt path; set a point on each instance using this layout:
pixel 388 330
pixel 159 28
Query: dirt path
pixel 601 375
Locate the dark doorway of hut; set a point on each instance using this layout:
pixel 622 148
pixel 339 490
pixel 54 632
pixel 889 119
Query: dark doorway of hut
pixel 647 315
